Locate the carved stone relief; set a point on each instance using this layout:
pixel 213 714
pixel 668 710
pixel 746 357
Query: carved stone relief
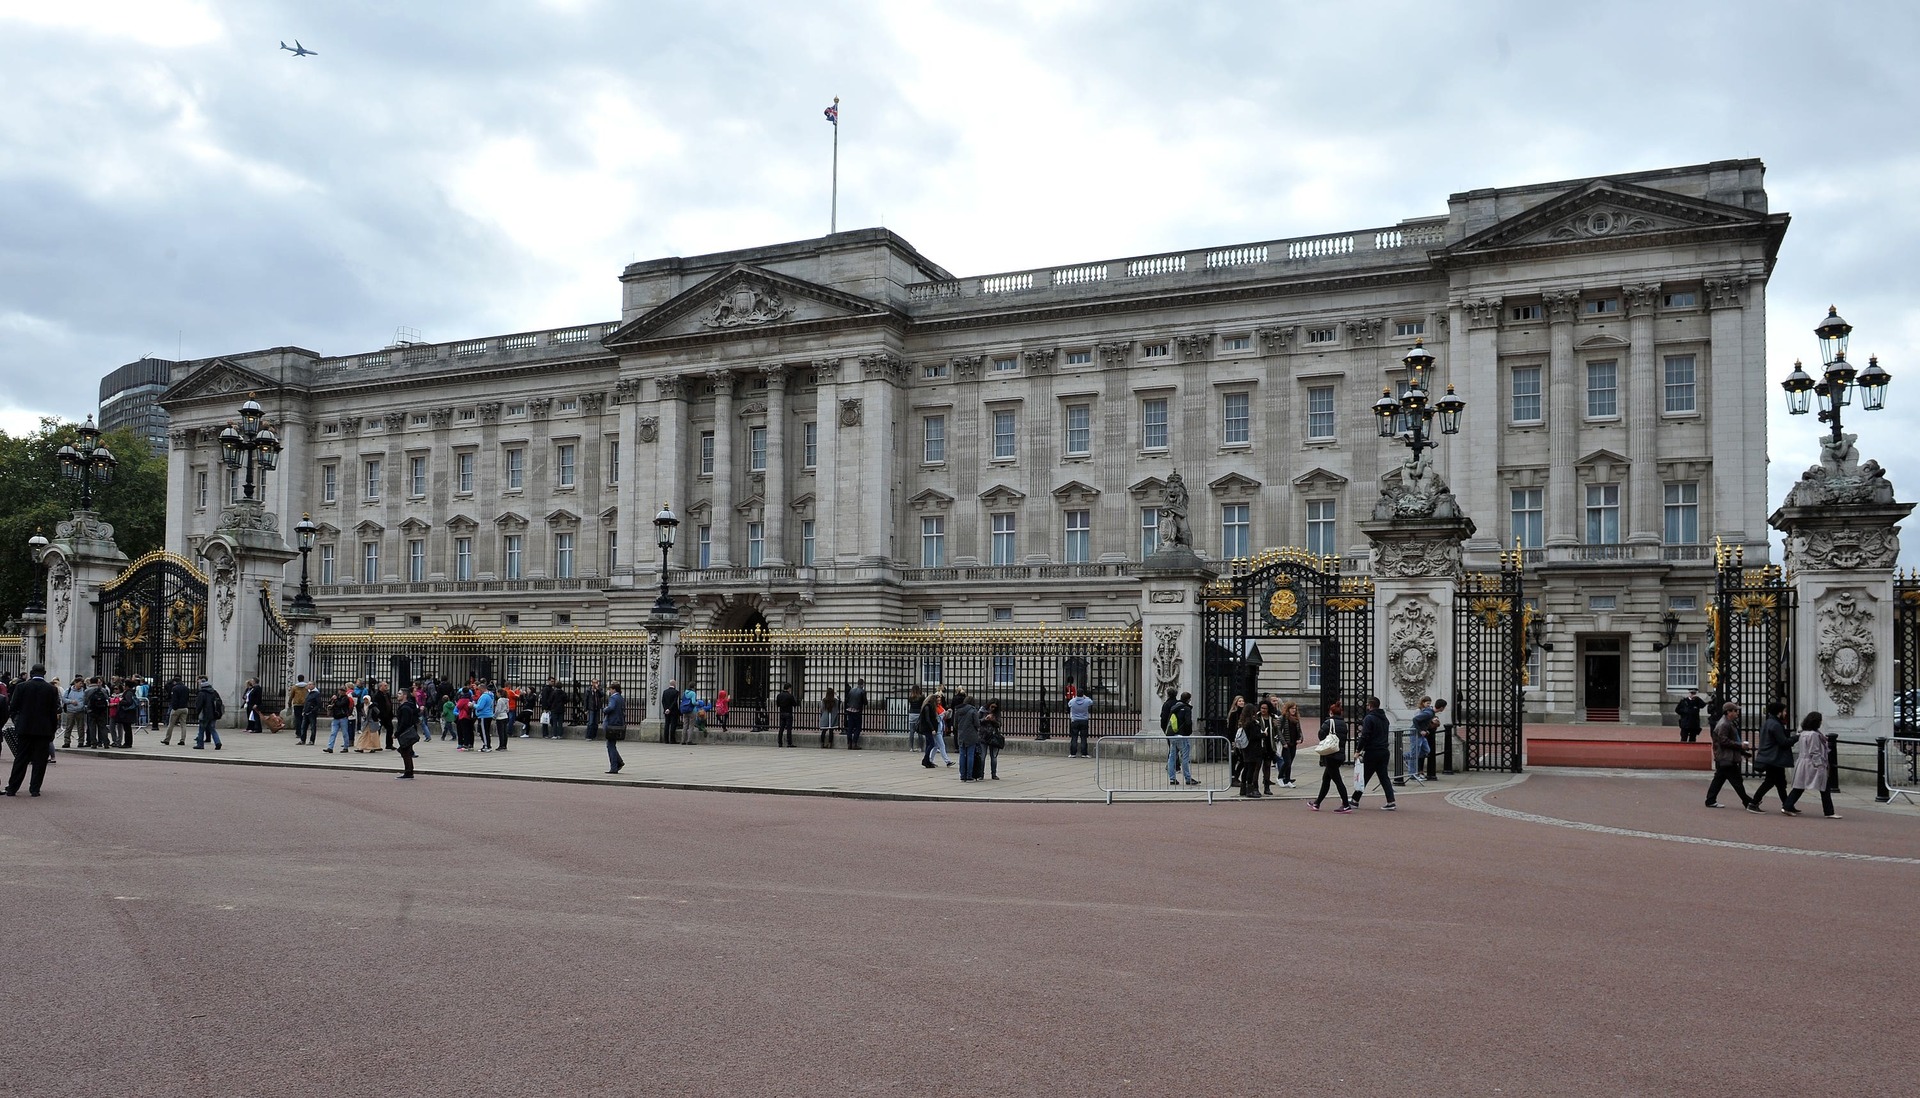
pixel 1561 304
pixel 60 582
pixel 1194 346
pixel 1365 330
pixel 225 578
pixel 747 303
pixel 1846 648
pixel 1415 489
pixel 1725 292
pixel 490 412
pixel 882 366
pixel 1167 660
pixel 395 420
pixel 667 388
pixel 1276 339
pixel 627 390
pixel 827 369
pixel 966 367
pixel 1413 646
pixel 350 426
pixel 1845 548
pixel 1482 312
pixel 1115 353
pixel 593 403
pixel 182 440
pixel 1641 298
pixel 1404 557
pixel 649 428
pixel 1041 360
pixel 850 412
pixel 539 407
pixel 440 418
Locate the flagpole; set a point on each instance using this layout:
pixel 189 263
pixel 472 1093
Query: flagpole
pixel 833 218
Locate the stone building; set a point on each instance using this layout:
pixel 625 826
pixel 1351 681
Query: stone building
pixel 851 434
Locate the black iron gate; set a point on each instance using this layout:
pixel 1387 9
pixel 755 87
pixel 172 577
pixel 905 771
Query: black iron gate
pixel 1292 596
pixel 273 667
pixel 1751 630
pixel 153 622
pixel 1491 620
pixel 1906 652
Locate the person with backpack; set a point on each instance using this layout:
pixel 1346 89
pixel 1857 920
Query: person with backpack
pixel 1332 750
pixel 312 708
pixel 1177 720
pixel 211 709
pixel 99 715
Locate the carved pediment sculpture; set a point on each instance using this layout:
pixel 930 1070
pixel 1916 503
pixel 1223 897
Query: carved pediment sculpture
pixel 746 303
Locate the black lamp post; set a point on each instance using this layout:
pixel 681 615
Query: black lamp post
pixel 1672 624
pixel 663 526
pixel 37 545
pixel 1836 384
pixel 1410 416
pixel 303 532
pixel 251 444
pixel 87 462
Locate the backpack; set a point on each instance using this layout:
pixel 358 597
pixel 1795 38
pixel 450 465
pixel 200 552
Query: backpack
pixel 686 702
pixel 219 706
pixel 97 699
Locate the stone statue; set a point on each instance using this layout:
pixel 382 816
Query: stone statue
pixel 1176 531
pixel 1840 478
pixel 1414 489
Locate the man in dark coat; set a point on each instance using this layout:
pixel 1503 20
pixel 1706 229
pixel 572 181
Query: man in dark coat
pixel 670 713
pixel 853 711
pixel 36 716
pixel 1728 753
pixel 1689 712
pixel 1376 749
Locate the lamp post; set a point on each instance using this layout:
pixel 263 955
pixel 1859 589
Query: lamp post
pixel 1839 379
pixel 663 526
pixel 88 462
pixel 37 546
pixel 303 532
pixel 1672 625
pixel 1410 416
pixel 252 443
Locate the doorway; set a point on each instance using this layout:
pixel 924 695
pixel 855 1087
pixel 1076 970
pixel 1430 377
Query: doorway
pixel 1602 660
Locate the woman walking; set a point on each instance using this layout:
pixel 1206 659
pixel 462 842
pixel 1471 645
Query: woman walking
pixel 1811 771
pixel 615 722
pixel 991 737
pixel 1288 735
pixel 829 717
pixel 1332 750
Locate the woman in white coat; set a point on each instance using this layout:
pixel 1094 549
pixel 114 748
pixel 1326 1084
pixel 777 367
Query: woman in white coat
pixel 1810 772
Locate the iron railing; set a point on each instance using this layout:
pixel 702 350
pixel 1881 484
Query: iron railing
pixel 520 658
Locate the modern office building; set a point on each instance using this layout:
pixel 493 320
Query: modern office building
pixel 852 434
pixel 130 398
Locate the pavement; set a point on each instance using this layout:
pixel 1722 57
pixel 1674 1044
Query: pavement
pixel 178 927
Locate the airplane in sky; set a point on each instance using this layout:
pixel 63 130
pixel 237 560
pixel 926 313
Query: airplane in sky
pixel 298 50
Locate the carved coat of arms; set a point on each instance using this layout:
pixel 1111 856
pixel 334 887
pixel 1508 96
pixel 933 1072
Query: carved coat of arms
pixel 747 303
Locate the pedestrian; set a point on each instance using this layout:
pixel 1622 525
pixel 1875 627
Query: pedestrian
pixel 382 709
pixel 483 716
pixel 1288 736
pixel 73 705
pixel 407 732
pixel 991 737
pixel 1332 750
pixel 340 711
pixel 596 704
pixel 179 708
pixel 670 712
pixel 784 702
pixel 99 710
pixel 447 719
pixel 615 715
pixel 1179 726
pixel 35 706
pixel 1775 754
pixel 916 700
pixel 855 711
pixel 1249 739
pixel 723 705
pixel 211 708
pixel 1728 753
pixel 1420 743
pixel 1811 772
pixel 463 720
pixel 1376 754
pixel 315 704
pixel 1267 718
pixel 966 733
pixel 829 718
pixel 124 717
pixel 1688 710
pixel 1079 719
pixel 250 707
pixel 1236 716
pixel 933 724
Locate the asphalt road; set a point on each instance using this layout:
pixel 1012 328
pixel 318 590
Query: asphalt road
pixel 190 929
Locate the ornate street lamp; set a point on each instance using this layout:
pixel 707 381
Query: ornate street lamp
pixel 88 462
pixel 1411 416
pixel 1672 624
pixel 252 444
pixel 1838 379
pixel 663 526
pixel 303 532
pixel 37 547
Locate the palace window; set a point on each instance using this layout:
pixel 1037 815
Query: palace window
pixel 703 540
pixel 1679 384
pixel 1680 299
pixel 372 470
pixel 933 439
pixel 1235 343
pixel 417 475
pixel 567 463
pixel 1603 390
pixel 1320 527
pixel 516 469
pixel 563 556
pixel 809 445
pixel 1410 328
pixel 1323 335
pixel 613 551
pixel 1079 358
pixel 514 549
pixel 1005 539
pixel 613 461
pixel 1236 416
pixel 933 370
pixel 756 544
pixel 1079 547
pixel 933 541
pixel 463 558
pixel 1527 508
pixel 416 560
pixel 329 484
pixel 706 453
pixel 806 543
pixel 1155 350
pixel 1003 445
pixel 1603 514
pixel 369 562
pixel 1683 666
pixel 1527 312
pixel 1005 365
pixel 463 470
pixel 1153 423
pixel 1526 394
pixel 1683 513
pixel 1313 664
pixel 1601 305
pixel 1079 441
pixel 1149 531
pixel 326 566
pixel 1320 413
pixel 1236 530
pixel 756 449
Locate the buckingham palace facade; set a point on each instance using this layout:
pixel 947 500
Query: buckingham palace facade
pixel 853 435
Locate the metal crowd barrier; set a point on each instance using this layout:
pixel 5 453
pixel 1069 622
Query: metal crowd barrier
pixel 1899 769
pixel 1138 764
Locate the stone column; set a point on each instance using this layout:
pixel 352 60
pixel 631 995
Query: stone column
pixel 663 655
pixel 1842 528
pixel 81 558
pixel 723 431
pixel 1477 467
pixel 1645 497
pixel 1416 567
pixel 774 512
pixel 244 555
pixel 305 624
pixel 1563 422
pixel 826 497
pixel 1171 640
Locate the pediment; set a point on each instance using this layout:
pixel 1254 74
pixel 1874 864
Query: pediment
pixel 931 499
pixel 461 522
pixel 562 517
pixel 1150 488
pixel 327 531
pixel 1317 479
pixel 1603 210
pixel 369 529
pixel 1001 495
pixel 743 299
pixel 1601 343
pixel 700 508
pixel 218 377
pixel 414 525
pixel 511 520
pixel 1234 484
pixel 1602 457
pixel 1075 491
pixel 752 505
pixel 802 504
pixel 611 514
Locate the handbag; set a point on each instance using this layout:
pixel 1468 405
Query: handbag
pixel 616 735
pixel 1240 739
pixel 1328 744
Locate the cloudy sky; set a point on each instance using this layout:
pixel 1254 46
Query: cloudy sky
pixel 172 183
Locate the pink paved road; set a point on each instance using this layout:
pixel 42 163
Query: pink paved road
pixel 179 929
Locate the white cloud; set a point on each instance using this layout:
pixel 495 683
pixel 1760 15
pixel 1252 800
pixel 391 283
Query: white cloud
pixel 165 24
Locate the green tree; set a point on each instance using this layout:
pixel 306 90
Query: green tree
pixel 35 497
